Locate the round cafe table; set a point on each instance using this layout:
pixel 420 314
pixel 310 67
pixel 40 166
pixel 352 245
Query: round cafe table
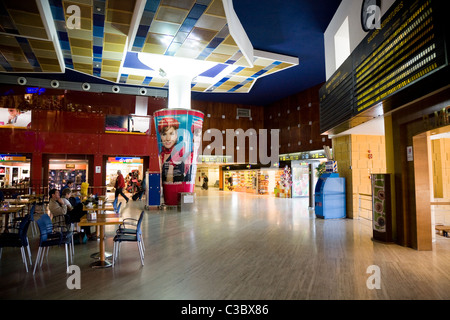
pixel 100 222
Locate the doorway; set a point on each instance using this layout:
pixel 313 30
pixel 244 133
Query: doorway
pixel 61 171
pixel 431 152
pixel 440 183
pixel 14 171
pixel 127 166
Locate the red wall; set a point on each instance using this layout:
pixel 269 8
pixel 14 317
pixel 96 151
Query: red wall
pixel 78 133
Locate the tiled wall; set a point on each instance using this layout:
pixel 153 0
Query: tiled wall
pixel 352 154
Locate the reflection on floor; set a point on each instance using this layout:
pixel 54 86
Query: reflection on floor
pixel 238 246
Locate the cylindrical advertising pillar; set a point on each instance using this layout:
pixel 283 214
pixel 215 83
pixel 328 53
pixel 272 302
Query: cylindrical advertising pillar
pixel 179 134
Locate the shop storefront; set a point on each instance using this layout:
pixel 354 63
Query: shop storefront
pixel 255 179
pixel 290 178
pixel 126 165
pixel 209 166
pixel 60 171
pixel 303 170
pixel 14 171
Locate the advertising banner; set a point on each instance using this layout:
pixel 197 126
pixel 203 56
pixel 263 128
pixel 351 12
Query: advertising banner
pixel 179 135
pixel 14 118
pixel 381 207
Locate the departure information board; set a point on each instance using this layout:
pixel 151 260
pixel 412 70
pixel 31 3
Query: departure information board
pixel 409 46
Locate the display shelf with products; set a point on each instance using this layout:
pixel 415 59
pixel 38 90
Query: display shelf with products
pixel 240 186
pixel 263 183
pixel 227 185
pixel 251 182
pixel 59 177
pixel 260 181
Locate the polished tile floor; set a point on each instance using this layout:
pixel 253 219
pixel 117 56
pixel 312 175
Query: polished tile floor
pixel 240 247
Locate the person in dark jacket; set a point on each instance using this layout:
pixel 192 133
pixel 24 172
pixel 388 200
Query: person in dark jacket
pixel 205 183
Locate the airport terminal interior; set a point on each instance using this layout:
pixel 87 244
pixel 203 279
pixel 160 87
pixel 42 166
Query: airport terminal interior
pixel 224 150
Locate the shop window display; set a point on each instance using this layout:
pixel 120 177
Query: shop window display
pixel 57 178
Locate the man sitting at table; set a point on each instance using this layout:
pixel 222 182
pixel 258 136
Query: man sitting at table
pixel 56 205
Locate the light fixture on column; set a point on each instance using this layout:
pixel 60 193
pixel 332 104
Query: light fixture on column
pixel 180 72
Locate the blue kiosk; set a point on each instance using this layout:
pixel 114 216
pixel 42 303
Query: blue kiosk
pixel 153 189
pixel 330 197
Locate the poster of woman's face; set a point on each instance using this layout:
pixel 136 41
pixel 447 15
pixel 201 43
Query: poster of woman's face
pixel 12 117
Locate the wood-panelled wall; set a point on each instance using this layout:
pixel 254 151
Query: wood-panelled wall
pixel 298 118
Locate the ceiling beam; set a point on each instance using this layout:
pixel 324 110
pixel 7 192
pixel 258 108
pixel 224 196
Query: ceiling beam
pixel 49 25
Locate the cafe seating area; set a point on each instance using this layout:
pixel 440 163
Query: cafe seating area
pixel 21 210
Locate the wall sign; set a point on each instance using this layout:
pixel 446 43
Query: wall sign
pixel 409 154
pixel 15 158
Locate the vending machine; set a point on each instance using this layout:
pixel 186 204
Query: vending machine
pixel 153 189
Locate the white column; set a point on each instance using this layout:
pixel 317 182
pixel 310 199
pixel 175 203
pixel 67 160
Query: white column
pixel 180 91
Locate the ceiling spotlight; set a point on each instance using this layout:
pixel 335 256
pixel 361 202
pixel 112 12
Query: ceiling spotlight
pixel 86 86
pixel 54 84
pixel 143 91
pixel 116 89
pixel 22 81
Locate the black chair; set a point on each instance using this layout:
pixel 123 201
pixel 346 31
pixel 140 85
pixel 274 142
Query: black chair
pixel 129 235
pixel 52 236
pixel 18 239
pixel 129 226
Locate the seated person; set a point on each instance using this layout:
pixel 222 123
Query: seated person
pixel 56 205
pixel 74 211
pixel 69 185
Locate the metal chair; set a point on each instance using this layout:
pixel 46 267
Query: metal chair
pixel 134 235
pixel 52 237
pixel 18 239
pixel 129 226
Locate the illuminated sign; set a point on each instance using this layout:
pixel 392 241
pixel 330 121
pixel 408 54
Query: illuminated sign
pixel 320 154
pixel 15 158
pixel 31 90
pixel 125 160
pixel 215 159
